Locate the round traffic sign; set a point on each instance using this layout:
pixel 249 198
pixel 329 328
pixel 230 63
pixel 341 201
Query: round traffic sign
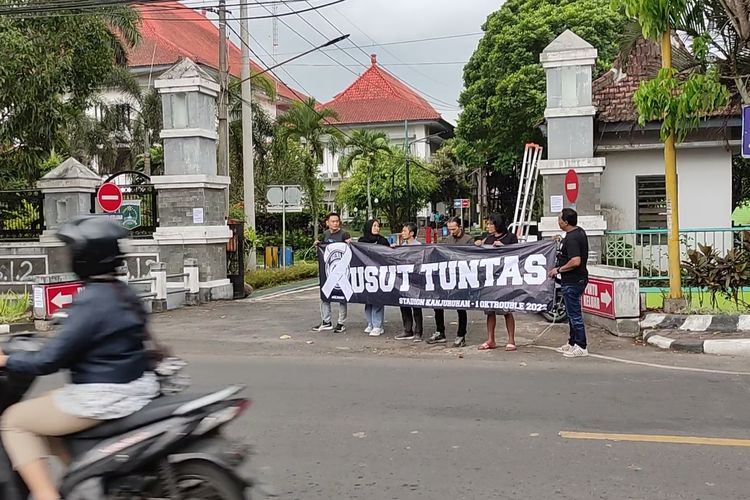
pixel 571 185
pixel 109 197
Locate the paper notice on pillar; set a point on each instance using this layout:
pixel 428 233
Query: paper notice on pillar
pixel 198 215
pixel 38 297
pixel 556 203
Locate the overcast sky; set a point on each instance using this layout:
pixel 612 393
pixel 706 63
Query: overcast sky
pixel 376 21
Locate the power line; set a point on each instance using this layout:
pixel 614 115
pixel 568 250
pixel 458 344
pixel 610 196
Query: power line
pixel 353 58
pixel 436 99
pixel 395 57
pixel 425 63
pixel 404 42
pixel 95 7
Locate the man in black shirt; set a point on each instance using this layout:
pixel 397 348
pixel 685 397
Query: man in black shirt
pixel 571 266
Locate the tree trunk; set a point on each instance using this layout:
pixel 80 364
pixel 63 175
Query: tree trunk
pixel 369 195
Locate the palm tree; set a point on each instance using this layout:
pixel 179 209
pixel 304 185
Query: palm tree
pixel 313 130
pixel 364 147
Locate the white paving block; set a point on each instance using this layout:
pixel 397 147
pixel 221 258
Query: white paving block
pixel 697 323
pixel 652 320
pixel 660 341
pixel 727 347
pixel 743 325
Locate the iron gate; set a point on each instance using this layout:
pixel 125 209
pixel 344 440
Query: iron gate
pixel 236 259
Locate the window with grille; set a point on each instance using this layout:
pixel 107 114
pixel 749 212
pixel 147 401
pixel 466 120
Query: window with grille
pixel 651 202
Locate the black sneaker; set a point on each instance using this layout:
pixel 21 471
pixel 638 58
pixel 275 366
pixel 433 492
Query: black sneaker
pixel 323 327
pixel 339 329
pixel 405 336
pixel 437 338
pixel 417 338
pixel 460 342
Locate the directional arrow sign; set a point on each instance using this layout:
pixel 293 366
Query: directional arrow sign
pixel 60 295
pixel 599 298
pixel 61 300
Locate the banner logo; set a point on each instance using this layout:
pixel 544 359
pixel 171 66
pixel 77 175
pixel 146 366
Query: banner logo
pixel 337 258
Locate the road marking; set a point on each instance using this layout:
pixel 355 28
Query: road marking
pixel 655 438
pixel 652 365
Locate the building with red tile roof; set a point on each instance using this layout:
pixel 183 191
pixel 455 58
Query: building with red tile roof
pixel 380 101
pixel 171 31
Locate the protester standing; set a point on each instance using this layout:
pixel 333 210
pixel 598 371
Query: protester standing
pixel 571 266
pixel 411 316
pixel 498 236
pixel 375 314
pixel 456 236
pixel 333 234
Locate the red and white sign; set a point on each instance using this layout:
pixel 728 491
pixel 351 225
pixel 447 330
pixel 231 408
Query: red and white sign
pixel 109 197
pixel 599 298
pixel 571 185
pixel 60 295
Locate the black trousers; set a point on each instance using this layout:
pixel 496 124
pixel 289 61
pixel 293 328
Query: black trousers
pixel 463 322
pixel 412 318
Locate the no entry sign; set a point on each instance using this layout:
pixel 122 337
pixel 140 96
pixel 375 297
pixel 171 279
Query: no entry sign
pixel 571 185
pixel 109 197
pixel 599 298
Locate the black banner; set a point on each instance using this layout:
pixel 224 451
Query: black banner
pixel 510 278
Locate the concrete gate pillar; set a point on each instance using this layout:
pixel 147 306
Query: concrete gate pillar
pixel 192 197
pixel 568 63
pixel 68 193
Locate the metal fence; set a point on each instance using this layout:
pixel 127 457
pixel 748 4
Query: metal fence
pixel 21 215
pixel 646 250
pixel 146 194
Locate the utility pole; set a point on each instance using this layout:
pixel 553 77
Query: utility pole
pixel 670 170
pixel 248 153
pixel 223 163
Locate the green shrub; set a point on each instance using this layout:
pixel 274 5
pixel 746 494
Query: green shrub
pixel 14 307
pixel 267 278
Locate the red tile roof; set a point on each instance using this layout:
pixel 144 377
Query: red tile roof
pixel 613 92
pixel 171 31
pixel 379 97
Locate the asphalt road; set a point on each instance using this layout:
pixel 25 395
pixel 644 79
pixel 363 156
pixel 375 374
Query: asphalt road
pixel 353 417
pixel 345 428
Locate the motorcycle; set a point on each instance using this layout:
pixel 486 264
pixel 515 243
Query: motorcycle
pixel 171 449
pixel 557 313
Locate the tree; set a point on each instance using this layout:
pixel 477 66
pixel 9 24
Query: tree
pixel 311 128
pixel 504 84
pixel 364 148
pixel 679 101
pixel 64 61
pixel 388 185
pixel 452 177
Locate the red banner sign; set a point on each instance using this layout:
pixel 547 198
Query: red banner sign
pixel 599 298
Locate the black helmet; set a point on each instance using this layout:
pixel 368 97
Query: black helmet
pixel 94 244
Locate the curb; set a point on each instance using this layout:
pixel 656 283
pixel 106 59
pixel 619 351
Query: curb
pixel 7 329
pixel 697 322
pixel 726 347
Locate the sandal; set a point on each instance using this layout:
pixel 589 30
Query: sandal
pixel 510 347
pixel 487 346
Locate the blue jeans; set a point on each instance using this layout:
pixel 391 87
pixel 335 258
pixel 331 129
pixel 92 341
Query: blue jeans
pixel 375 315
pixel 572 293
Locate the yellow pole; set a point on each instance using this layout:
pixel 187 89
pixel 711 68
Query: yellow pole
pixel 673 213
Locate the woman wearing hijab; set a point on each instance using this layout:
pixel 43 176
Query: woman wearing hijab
pixel 375 314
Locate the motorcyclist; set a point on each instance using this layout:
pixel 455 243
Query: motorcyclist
pixel 102 344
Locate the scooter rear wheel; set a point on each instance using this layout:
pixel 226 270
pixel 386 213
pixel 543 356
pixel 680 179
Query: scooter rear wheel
pixel 205 481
